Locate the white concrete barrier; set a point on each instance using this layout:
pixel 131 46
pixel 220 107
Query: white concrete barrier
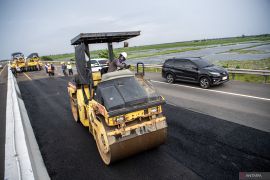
pixel 23 160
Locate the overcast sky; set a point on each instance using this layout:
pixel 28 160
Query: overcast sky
pixel 47 26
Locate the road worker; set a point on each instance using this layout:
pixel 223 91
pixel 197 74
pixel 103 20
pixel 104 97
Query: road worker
pixel 64 68
pixel 51 69
pixel 46 67
pixel 119 63
pixel 69 67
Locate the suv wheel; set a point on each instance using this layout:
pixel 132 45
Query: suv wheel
pixel 170 78
pixel 204 82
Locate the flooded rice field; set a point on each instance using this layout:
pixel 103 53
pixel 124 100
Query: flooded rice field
pixel 252 51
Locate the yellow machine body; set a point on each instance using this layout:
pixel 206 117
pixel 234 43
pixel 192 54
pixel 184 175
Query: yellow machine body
pixel 18 63
pixel 122 135
pixel 34 64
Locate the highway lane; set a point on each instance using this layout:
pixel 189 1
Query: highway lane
pixel 3 100
pixel 66 145
pixel 252 89
pixel 239 102
pixel 199 146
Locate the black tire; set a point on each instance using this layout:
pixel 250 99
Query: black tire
pixel 205 82
pixel 170 78
pixel 74 110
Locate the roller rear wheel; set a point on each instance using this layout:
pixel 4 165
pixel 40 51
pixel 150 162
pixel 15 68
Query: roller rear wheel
pixel 74 110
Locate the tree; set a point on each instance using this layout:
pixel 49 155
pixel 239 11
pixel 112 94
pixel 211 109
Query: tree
pixel 105 54
pixel 46 58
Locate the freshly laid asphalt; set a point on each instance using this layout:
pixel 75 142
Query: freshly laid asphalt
pixel 199 146
pixel 3 100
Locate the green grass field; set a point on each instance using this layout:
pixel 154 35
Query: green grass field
pixel 263 64
pixel 247 64
pixel 248 50
pixel 250 78
pixel 160 49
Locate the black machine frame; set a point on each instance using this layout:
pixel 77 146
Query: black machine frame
pixel 81 43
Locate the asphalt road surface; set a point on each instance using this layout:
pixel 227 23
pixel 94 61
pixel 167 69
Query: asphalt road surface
pixel 199 146
pixel 3 100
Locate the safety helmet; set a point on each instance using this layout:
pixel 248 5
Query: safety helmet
pixel 68 62
pixel 62 62
pixel 124 54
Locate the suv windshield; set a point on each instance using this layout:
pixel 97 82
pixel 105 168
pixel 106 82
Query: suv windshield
pixel 116 94
pixel 94 63
pixel 202 63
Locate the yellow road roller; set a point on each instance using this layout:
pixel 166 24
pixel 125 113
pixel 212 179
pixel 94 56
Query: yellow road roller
pixel 121 109
pixel 17 62
pixel 33 62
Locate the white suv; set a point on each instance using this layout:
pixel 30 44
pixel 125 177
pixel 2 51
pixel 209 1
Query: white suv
pixel 98 64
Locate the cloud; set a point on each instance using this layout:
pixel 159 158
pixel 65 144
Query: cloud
pixel 48 26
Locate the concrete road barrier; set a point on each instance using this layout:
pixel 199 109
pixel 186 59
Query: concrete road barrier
pixel 23 160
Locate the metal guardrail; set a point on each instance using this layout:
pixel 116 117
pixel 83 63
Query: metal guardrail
pixel 232 71
pixel 264 73
pixel 23 160
pixel 57 62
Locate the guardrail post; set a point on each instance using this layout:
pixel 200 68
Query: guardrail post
pixel 233 76
pixel 265 78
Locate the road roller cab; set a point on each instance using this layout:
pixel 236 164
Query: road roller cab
pixel 121 109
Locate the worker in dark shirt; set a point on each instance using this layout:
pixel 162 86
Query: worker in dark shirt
pixel 119 63
pixel 64 68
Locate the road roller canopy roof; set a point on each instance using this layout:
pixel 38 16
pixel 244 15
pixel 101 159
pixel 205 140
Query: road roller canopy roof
pixel 17 54
pixel 104 37
pixel 32 55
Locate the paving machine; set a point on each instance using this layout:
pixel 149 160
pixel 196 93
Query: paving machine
pixel 121 109
pixel 33 62
pixel 17 62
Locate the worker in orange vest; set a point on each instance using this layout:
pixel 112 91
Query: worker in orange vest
pixel 51 69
